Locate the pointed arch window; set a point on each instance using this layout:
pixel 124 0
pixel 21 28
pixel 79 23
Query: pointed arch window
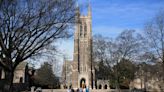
pixel 81 29
pixel 21 80
pixel 85 30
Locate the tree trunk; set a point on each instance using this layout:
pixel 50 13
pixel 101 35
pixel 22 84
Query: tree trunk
pixel 117 78
pixel 163 71
pixel 8 82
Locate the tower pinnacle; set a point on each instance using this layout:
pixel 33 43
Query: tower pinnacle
pixel 89 8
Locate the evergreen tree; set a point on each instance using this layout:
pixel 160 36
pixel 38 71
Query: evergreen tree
pixel 45 76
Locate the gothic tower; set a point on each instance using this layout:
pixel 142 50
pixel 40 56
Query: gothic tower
pixel 82 49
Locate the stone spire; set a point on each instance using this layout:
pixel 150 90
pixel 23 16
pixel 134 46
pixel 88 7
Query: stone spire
pixel 89 9
pixel 77 10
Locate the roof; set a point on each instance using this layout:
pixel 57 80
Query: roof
pixel 22 65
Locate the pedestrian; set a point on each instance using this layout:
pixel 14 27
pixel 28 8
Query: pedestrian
pixel 72 90
pixel 69 89
pixel 77 90
pixel 87 89
pixel 84 90
pixel 80 90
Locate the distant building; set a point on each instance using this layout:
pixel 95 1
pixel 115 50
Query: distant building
pixel 22 76
pixel 146 81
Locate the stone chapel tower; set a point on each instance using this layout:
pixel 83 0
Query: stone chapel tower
pixel 80 71
pixel 82 50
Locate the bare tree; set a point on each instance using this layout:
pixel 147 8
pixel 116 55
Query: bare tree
pixel 100 48
pixel 101 56
pixel 154 31
pixel 27 26
pixel 128 45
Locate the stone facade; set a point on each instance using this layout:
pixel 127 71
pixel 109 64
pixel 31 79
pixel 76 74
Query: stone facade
pixel 19 73
pixel 103 84
pixel 79 72
pixel 153 84
pixel 21 79
pixel 146 81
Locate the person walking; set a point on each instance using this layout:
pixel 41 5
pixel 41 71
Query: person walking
pixel 87 89
pixel 84 90
pixel 80 90
pixel 77 90
pixel 72 90
pixel 69 89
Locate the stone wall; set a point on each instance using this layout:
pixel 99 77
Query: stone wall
pixel 95 90
pixel 103 84
pixel 64 90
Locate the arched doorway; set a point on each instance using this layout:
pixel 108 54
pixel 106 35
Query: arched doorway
pixel 100 86
pixel 105 87
pixel 21 80
pixel 82 83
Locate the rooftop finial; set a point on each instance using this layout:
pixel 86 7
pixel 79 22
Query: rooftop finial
pixel 77 4
pixel 89 3
pixel 77 7
pixel 89 8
